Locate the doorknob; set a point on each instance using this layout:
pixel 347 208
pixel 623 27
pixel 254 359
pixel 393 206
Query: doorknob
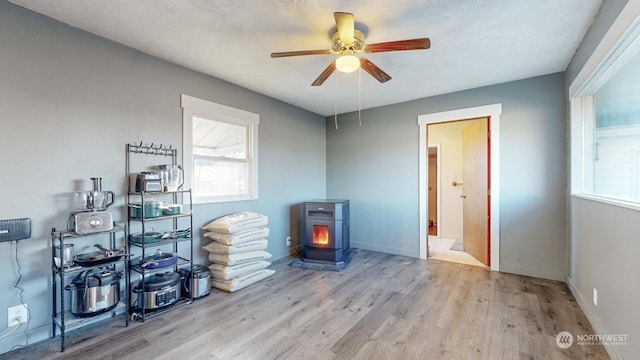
pixel 463 196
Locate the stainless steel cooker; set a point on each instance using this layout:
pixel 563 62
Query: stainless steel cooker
pixel 94 292
pixel 159 290
pixel 196 283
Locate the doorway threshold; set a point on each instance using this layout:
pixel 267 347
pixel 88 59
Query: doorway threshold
pixel 440 249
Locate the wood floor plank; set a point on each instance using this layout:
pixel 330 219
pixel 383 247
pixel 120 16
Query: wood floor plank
pixel 361 332
pixel 381 307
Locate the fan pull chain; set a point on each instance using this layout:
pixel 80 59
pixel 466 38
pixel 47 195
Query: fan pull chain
pixel 335 101
pixel 359 95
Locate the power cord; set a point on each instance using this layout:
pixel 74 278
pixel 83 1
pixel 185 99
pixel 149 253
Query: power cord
pixel 21 291
pixel 295 248
pixel 12 330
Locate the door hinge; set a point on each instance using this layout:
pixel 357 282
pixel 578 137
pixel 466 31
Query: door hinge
pixel 489 192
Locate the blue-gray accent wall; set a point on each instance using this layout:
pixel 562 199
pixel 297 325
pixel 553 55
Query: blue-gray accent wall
pixel 375 165
pixel 70 102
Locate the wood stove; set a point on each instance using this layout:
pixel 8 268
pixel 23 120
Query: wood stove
pixel 326 231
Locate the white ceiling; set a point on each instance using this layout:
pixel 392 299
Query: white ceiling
pixel 474 43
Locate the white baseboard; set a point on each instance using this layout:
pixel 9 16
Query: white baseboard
pixel 593 319
pixel 533 271
pixel 385 249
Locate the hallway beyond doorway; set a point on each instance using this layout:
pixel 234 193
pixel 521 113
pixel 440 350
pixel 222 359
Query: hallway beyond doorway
pixel 440 249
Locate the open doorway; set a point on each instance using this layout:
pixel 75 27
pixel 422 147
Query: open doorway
pixel 462 234
pixel 493 112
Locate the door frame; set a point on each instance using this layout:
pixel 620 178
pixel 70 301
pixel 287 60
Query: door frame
pixel 438 172
pixel 492 111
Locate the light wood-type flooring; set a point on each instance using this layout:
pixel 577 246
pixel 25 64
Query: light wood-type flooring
pixel 382 307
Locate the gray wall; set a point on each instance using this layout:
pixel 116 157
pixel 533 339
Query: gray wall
pixel 376 166
pixel 603 255
pixel 606 16
pixel 71 101
pixel 603 239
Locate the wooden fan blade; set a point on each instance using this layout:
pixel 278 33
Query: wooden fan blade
pixel 298 53
pixel 345 24
pixel 325 74
pixel 374 70
pixel 413 44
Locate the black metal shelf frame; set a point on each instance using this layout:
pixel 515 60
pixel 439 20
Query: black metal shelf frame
pixel 60 317
pixel 180 196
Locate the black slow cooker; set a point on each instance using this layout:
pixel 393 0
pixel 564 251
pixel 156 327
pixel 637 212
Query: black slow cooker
pixel 158 291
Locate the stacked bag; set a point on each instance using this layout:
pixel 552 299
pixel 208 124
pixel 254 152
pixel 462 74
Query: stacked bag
pixel 238 250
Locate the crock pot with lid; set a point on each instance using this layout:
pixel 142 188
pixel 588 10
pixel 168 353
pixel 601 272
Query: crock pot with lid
pixel 196 284
pixel 94 292
pixel 159 290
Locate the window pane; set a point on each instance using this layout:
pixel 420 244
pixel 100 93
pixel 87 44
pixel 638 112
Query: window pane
pixel 220 151
pixel 219 177
pixel 616 160
pixel 217 138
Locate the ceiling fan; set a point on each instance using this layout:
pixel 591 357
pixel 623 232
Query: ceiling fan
pixel 348 41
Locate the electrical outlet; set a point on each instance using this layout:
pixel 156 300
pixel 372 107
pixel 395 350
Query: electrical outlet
pixel 17 314
pixel 288 240
pixel 595 297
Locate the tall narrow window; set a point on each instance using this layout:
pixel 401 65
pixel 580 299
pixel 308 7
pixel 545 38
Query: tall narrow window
pixel 221 151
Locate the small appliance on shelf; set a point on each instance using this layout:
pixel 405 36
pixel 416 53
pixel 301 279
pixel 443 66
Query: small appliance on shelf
pixel 172 177
pixel 147 181
pixel 91 215
pixel 168 178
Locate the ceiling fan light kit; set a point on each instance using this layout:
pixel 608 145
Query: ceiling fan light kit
pixel 347 63
pixel 346 42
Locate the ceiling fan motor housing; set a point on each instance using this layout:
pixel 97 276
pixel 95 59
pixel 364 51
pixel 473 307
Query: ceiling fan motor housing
pixel 339 48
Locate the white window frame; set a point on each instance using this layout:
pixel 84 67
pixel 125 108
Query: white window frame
pixel 611 53
pixel 191 107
